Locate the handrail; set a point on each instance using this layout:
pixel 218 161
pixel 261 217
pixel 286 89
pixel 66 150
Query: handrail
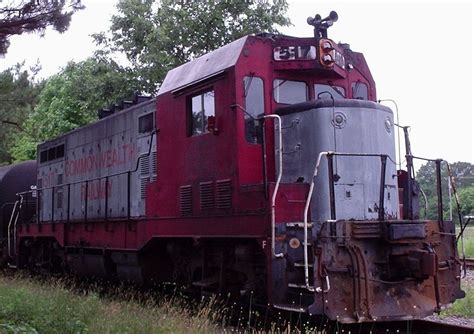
pixel 305 221
pixel 14 220
pixel 277 184
pixel 15 224
pixel 9 228
pixel 329 154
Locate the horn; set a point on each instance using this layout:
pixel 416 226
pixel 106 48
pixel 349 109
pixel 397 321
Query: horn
pixel 317 20
pixel 333 16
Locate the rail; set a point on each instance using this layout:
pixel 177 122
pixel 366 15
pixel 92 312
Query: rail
pixel 13 217
pixel 418 326
pixel 330 155
pixel 278 181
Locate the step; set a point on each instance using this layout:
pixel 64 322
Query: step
pixel 301 265
pixel 299 286
pixel 290 308
pixel 298 224
pixel 207 282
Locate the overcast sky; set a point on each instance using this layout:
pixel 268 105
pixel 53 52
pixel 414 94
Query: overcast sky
pixel 420 54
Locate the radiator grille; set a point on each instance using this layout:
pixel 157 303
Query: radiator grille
pixel 224 194
pixel 206 195
pixel 186 198
pixel 145 165
pixel 143 182
pixel 154 163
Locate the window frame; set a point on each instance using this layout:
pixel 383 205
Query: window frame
pixel 361 83
pixel 190 112
pixel 153 126
pixel 257 140
pixel 289 103
pixel 339 97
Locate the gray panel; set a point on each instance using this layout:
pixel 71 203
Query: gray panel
pixel 204 66
pixel 349 127
pixel 106 148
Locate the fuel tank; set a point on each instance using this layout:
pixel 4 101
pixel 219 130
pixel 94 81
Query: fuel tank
pixel 14 179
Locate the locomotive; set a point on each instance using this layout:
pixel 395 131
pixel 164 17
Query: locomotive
pixel 265 169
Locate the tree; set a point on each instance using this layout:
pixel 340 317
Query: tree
pixel 18 96
pixel 71 99
pixel 20 16
pixel 463 178
pixel 158 37
pixel 466 197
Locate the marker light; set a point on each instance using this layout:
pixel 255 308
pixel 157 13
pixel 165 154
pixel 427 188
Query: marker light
pixel 326 53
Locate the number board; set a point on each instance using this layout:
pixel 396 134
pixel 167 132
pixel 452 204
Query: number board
pixel 285 53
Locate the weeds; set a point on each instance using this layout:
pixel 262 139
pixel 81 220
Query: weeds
pixel 462 307
pixel 27 306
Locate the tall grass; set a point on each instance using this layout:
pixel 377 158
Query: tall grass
pixel 468 242
pixel 27 306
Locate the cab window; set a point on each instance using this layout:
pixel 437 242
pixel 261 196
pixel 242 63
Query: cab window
pixel 322 91
pixel 289 92
pixel 360 91
pixel 201 107
pixel 145 123
pixel 254 107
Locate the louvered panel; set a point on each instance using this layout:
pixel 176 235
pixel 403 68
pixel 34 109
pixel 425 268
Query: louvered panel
pixel 143 182
pixel 206 195
pixel 145 165
pixel 186 198
pixel 224 194
pixel 154 163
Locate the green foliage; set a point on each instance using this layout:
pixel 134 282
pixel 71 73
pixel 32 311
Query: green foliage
pixel 18 96
pixel 27 306
pixel 158 37
pixel 18 17
pixel 466 197
pixel 71 99
pixel 462 307
pixel 463 179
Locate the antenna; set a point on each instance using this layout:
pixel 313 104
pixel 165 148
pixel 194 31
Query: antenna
pixel 321 25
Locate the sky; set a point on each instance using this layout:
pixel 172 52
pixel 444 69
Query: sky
pixel 420 53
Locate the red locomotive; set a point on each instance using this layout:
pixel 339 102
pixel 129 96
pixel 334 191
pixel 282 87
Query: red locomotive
pixel 265 167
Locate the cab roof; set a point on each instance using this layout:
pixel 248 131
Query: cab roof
pixel 203 67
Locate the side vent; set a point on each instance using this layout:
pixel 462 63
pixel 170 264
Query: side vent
pixel 154 163
pixel 145 165
pixel 224 194
pixel 206 195
pixel 144 174
pixel 186 198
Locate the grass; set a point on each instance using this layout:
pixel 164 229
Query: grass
pixel 462 307
pixel 27 306
pixel 468 242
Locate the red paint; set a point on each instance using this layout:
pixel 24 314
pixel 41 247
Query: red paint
pixel 96 190
pixel 100 160
pixel 225 154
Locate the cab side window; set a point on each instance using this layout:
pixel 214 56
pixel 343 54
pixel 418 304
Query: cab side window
pixel 254 106
pixel 360 91
pixel 201 107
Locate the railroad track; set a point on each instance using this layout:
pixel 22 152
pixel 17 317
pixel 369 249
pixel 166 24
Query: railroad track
pixel 399 327
pixel 469 263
